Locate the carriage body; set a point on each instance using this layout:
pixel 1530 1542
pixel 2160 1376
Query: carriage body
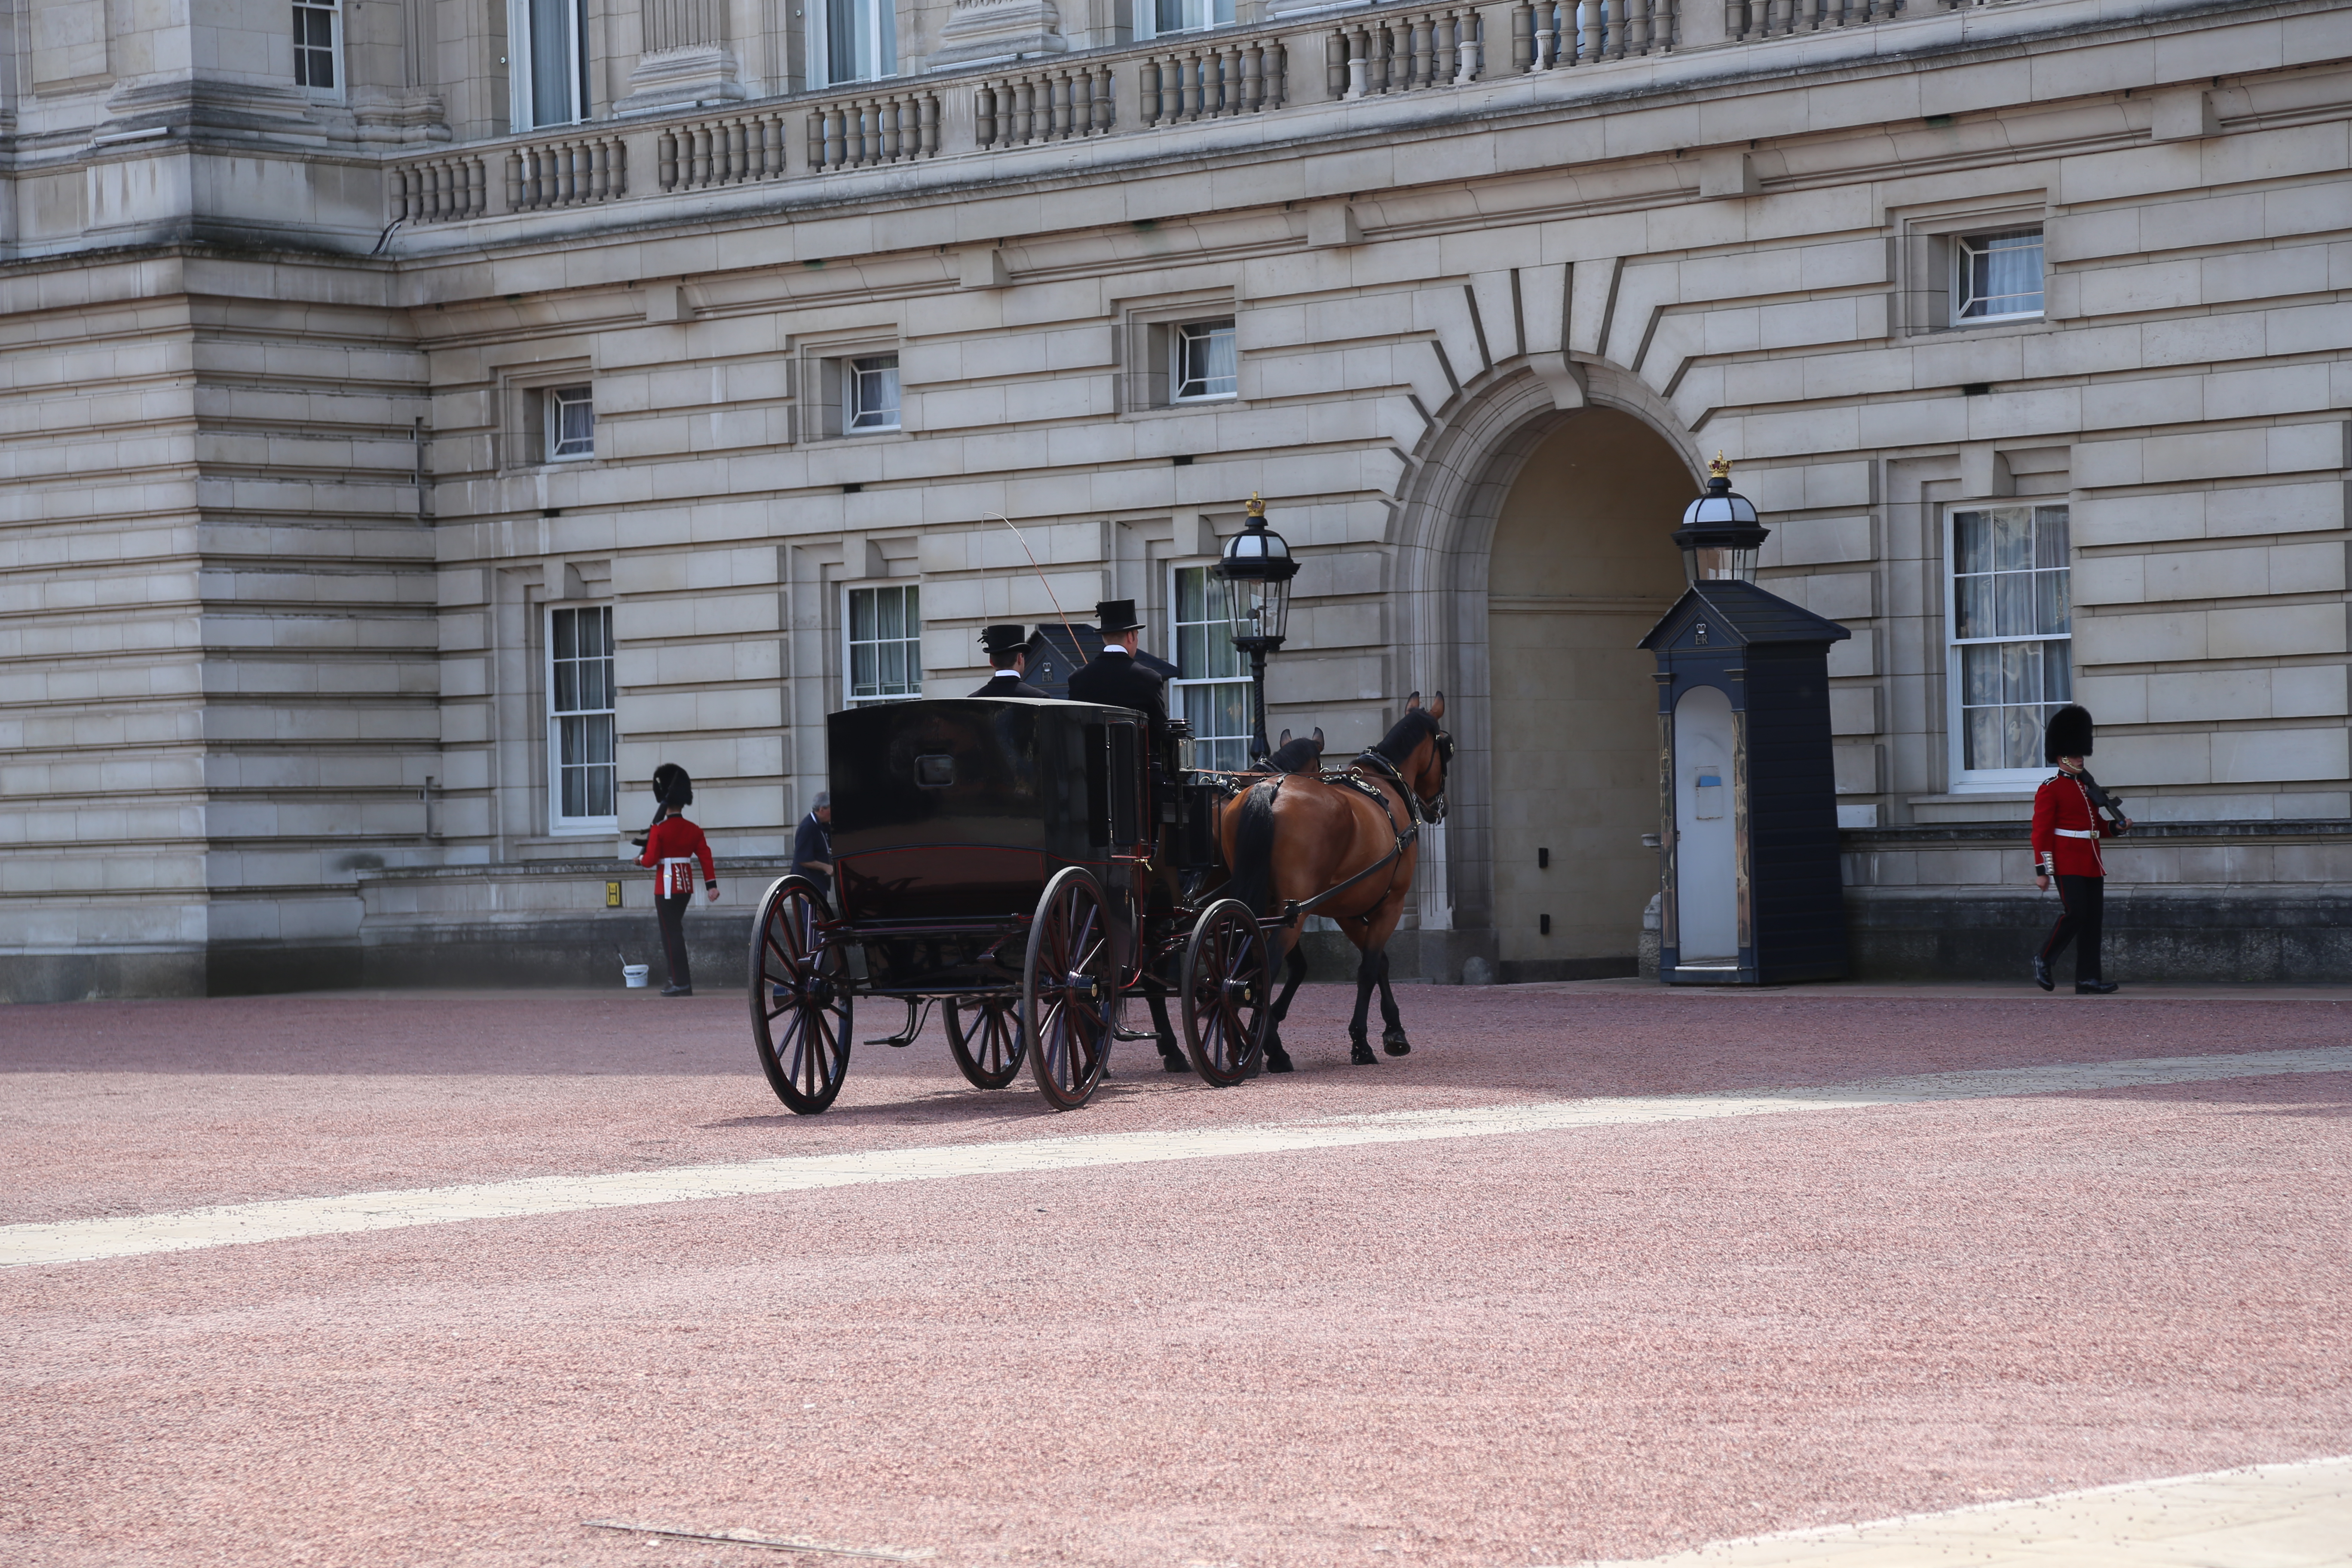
pixel 996 856
pixel 950 817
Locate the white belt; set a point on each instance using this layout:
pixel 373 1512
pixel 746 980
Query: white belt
pixel 2077 832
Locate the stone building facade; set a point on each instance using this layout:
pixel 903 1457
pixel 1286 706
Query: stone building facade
pixel 424 419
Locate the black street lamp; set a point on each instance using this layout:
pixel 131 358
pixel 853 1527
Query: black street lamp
pixel 1720 535
pixel 1255 571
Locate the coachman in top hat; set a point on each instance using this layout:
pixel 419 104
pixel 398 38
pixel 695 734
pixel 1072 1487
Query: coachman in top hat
pixel 2071 814
pixel 1008 655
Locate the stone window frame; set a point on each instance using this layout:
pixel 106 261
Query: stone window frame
pixel 1927 263
pixel 525 398
pixel 823 384
pixel 1147 335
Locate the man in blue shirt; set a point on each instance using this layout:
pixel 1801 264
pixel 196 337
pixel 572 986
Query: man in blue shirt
pixel 813 844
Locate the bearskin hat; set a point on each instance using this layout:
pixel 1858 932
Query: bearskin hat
pixel 672 786
pixel 2068 734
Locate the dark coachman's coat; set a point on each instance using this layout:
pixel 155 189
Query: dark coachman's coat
pixel 1008 683
pixel 1114 678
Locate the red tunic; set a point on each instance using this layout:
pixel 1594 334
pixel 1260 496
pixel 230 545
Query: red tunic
pixel 675 839
pixel 2066 831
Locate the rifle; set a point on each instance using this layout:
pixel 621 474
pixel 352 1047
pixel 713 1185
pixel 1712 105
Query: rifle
pixel 2101 800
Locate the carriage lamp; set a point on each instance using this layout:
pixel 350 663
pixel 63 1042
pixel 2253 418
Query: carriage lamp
pixel 1720 535
pixel 1255 571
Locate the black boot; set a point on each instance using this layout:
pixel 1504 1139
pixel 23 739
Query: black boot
pixel 2042 973
pixel 2095 986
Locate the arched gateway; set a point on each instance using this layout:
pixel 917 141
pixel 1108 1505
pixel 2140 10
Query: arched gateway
pixel 1534 553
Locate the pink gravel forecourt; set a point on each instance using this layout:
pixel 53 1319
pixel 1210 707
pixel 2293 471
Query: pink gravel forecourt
pixel 1606 1342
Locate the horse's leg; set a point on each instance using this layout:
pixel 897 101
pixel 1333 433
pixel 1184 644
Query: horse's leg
pixel 1294 971
pixel 1392 1038
pixel 1171 1053
pixel 1367 974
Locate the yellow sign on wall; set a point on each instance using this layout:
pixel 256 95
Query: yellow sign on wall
pixel 611 895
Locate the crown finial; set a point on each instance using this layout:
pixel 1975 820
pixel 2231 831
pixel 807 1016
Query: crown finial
pixel 1721 467
pixel 1256 507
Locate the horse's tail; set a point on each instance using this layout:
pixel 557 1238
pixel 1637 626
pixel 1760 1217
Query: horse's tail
pixel 1253 868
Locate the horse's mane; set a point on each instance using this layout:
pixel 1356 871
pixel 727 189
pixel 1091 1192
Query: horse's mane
pixel 1408 733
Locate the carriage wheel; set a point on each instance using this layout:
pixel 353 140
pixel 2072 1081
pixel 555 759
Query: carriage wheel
pixel 1228 984
pixel 1068 986
pixel 984 1036
pixel 800 997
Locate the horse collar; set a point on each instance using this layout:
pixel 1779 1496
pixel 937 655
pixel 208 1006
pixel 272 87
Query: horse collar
pixel 1396 777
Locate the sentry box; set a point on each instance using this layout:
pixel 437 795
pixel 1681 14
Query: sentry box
pixel 1748 826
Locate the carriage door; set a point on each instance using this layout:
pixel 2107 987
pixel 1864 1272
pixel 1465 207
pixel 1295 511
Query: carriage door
pixel 1707 877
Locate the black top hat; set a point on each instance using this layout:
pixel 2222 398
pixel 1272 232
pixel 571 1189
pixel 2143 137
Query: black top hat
pixel 2068 734
pixel 1003 641
pixel 1113 616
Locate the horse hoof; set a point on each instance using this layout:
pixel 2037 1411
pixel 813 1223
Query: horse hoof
pixel 1277 1059
pixel 1395 1044
pixel 1361 1056
pixel 1175 1064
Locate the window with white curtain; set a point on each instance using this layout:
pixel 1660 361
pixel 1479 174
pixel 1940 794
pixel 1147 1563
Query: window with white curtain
pixel 1203 365
pixel 547 62
pixel 885 644
pixel 2011 619
pixel 1154 17
pixel 873 393
pixel 570 423
pixel 852 40
pixel 580 719
pixel 1997 276
pixel 1211 687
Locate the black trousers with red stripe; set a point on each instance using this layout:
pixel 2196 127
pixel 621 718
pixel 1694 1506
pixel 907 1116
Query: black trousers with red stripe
pixel 2085 898
pixel 672 913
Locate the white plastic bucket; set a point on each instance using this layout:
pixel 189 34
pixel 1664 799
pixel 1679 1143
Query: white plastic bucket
pixel 633 975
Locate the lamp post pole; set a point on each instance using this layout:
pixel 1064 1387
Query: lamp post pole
pixel 1258 649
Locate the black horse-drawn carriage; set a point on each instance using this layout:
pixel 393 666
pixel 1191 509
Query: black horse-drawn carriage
pixel 1028 865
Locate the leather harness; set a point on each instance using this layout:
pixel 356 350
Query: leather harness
pixel 1348 778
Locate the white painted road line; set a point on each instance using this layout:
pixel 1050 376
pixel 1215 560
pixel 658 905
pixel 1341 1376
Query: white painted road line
pixel 2266 1516
pixel 92 1240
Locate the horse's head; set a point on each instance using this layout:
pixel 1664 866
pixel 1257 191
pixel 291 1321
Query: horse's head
pixel 1424 765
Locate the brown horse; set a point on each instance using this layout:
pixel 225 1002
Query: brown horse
pixel 1356 842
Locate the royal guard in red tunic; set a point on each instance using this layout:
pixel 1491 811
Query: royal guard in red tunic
pixel 671 847
pixel 2071 814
